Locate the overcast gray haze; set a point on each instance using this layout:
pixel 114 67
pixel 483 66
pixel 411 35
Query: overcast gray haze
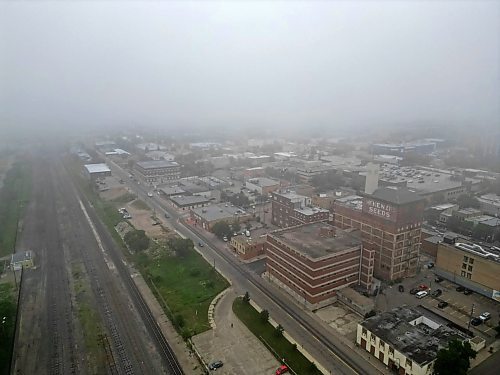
pixel 332 64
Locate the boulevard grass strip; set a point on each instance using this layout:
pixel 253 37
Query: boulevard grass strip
pixel 90 322
pixel 7 323
pixel 14 196
pixel 265 332
pixel 186 284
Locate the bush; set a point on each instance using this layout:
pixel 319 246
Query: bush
pixel 246 297
pixel 264 316
pixel 278 331
pixel 137 240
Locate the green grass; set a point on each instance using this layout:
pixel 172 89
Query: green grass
pixel 8 309
pixel 14 196
pixel 187 284
pixel 281 347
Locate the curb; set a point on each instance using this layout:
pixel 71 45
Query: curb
pixel 211 308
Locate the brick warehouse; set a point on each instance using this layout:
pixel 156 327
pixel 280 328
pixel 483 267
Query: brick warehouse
pixel 290 209
pixel 315 260
pixel 389 219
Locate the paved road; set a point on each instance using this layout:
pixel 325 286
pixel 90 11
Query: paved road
pixel 329 350
pixel 64 230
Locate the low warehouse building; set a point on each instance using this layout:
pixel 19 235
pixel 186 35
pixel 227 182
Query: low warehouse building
pixel 21 259
pixel 208 216
pixel 95 171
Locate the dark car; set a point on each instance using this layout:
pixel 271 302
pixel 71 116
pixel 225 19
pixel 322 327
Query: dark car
pixel 438 279
pixel 467 292
pixel 442 304
pixel 476 321
pixel 200 244
pixel 167 215
pixel 460 288
pixel 437 293
pixel 401 288
pixel 215 365
pixel 414 290
pixel 430 265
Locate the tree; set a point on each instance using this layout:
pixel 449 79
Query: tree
pixel 221 229
pixel 327 181
pixel 236 227
pixel 455 360
pixel 264 316
pixel 246 297
pixel 497 329
pixel 482 232
pixel 278 331
pixel 136 240
pixel 181 246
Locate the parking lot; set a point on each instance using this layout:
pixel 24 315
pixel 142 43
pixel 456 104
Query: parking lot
pixel 459 305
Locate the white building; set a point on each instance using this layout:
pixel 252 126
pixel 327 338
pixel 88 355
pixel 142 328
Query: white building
pixel 405 340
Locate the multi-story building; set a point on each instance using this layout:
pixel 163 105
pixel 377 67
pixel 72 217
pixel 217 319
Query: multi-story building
pixel 290 209
pixel 249 247
pixel 390 221
pixel 490 204
pixel 406 340
pixel 262 185
pixel 209 215
pixel 158 171
pixel 315 260
pixel 473 266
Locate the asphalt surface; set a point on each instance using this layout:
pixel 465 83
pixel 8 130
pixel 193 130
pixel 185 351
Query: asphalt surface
pixel 63 229
pixel 331 352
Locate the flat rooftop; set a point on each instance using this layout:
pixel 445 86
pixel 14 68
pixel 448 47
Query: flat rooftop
pixel 310 211
pixel 218 212
pixel 263 181
pixel 187 200
pixel 307 240
pixel 151 164
pixel 410 332
pixel 97 168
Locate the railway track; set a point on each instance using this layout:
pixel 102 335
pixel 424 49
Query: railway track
pixel 170 360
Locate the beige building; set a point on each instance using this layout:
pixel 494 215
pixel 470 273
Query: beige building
pixel 248 247
pixel 473 266
pixel 405 340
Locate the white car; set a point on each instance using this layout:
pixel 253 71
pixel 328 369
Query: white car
pixel 485 316
pixel 421 294
pixel 150 194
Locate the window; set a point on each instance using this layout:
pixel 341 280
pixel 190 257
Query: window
pixel 464 266
pixel 364 331
pixel 469 268
pixel 462 274
pixel 466 259
pixel 469 275
pixel 471 260
pixel 408 363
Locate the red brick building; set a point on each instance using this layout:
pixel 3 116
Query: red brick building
pixel 290 209
pixel 390 221
pixel 315 260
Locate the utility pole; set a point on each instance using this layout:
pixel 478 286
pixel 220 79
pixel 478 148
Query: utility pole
pixel 470 317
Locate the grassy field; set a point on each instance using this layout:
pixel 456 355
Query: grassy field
pixel 187 284
pixel 8 310
pixel 281 347
pixel 140 205
pixel 14 196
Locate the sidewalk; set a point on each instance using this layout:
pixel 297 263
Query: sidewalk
pixel 233 344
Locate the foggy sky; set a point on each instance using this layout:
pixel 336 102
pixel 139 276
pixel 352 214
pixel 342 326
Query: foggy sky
pixel 331 64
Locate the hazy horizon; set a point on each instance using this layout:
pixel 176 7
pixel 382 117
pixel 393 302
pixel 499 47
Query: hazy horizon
pixel 251 65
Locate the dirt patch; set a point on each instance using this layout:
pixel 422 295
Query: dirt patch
pixel 113 193
pixel 143 219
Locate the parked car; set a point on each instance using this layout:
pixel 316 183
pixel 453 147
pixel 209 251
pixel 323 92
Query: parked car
pixel 485 316
pixel 200 244
pixel 150 194
pixel 438 279
pixel 414 290
pixel 467 291
pixel 430 265
pixel 401 288
pixel 442 304
pixel 215 365
pixel 437 293
pixel 460 288
pixel 476 321
pixel 224 238
pixel 423 287
pixel 282 370
pixel 421 294
pixel 167 215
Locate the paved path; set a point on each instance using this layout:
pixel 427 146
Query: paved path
pixel 233 344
